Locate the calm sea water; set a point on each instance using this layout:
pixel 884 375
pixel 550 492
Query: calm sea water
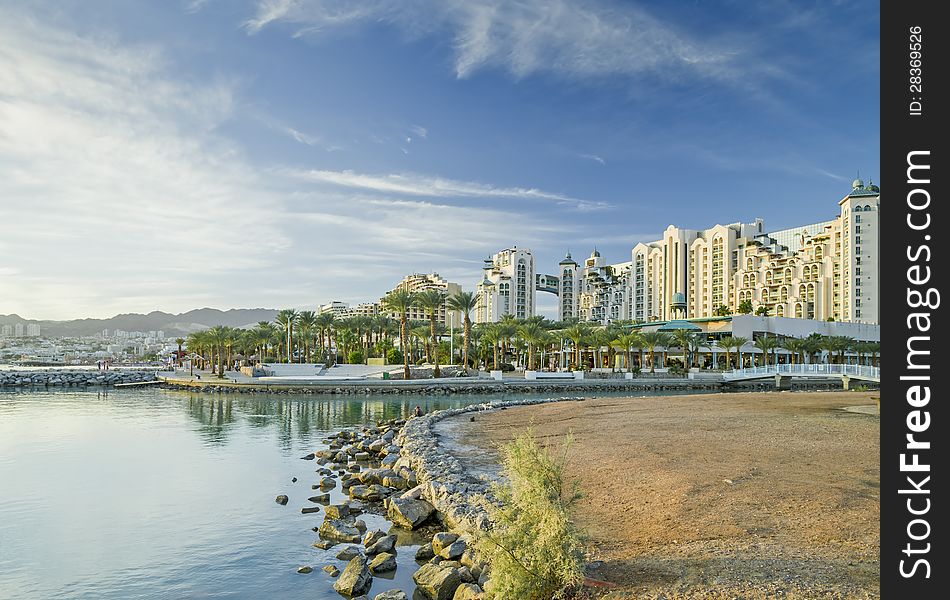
pixel 161 494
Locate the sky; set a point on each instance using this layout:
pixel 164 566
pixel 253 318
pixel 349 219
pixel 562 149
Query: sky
pixel 285 153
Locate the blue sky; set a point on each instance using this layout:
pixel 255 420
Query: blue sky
pixel 180 154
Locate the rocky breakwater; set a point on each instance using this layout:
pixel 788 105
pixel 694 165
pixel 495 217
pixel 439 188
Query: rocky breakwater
pixel 369 467
pixel 72 377
pixel 460 500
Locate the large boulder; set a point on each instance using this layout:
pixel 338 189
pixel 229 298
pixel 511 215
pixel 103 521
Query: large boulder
pixel 409 513
pixel 382 563
pixel 374 475
pixel 441 540
pixel 383 544
pixel 341 531
pixel 453 551
pixel 468 591
pixel 373 536
pixel 337 511
pixel 392 595
pixel 370 493
pixel 437 583
pixel 355 578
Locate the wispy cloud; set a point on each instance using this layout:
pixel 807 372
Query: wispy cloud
pixel 437 187
pixel 574 39
pixel 594 158
pixel 419 131
pixel 120 192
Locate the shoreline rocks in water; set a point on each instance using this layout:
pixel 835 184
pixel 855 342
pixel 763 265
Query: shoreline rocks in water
pixel 66 377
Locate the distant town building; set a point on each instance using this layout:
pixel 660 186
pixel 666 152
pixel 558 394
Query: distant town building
pixel 32 330
pixel 18 330
pixel 420 282
pixel 366 309
pixel 338 309
pixel 6 331
pixel 508 286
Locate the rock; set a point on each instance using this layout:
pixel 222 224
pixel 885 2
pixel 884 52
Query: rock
pixel 360 524
pixel 282 500
pixel 453 551
pixel 323 544
pixel 468 591
pixel 384 544
pixel 436 583
pixel 305 570
pixel 327 483
pixel 341 531
pixel 355 579
pixel 376 446
pixel 390 460
pixel 409 513
pixel 332 570
pixel 424 552
pixel 373 536
pixel 466 576
pixel 374 475
pixel 370 493
pixel 413 494
pixel 337 511
pixel 441 540
pixel 391 595
pixel 361 456
pixel 395 482
pixel 308 457
pixel 382 563
pixel 309 509
pixel 348 553
pixel 321 498
pixel 293 480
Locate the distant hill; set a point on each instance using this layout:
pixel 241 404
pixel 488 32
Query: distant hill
pixel 172 325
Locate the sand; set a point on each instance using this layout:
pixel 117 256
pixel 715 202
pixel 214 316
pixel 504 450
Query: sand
pixel 740 495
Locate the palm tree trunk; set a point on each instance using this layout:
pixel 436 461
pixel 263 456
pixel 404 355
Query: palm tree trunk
pixel 403 334
pixel 435 346
pixel 468 335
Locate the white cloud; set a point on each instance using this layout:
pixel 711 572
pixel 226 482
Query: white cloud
pixel 422 185
pixel 120 193
pixel 419 131
pixel 578 39
pixel 594 158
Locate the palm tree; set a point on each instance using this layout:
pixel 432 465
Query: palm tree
pixel 492 334
pixel 577 333
pixel 813 345
pixel 179 341
pixel 626 342
pixel 533 336
pixel 216 338
pixel 767 344
pixel 287 318
pixel 324 324
pixel 465 303
pixel 874 348
pixel 306 326
pixel 797 347
pixel 652 339
pixel 432 301
pixel 685 339
pixel 399 302
pixel 738 342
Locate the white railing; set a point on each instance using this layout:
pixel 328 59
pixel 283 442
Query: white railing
pixel 806 370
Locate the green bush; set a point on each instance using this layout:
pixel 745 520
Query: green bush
pixel 394 357
pixel 355 357
pixel 533 549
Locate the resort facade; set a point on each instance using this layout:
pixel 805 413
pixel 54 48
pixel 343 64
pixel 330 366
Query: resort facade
pixel 507 286
pixel 420 282
pixel 820 271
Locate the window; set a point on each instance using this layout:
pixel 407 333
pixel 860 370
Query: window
pixel 857 249
pixel 857 313
pixel 857 229
pixel 857 218
pixel 857 209
pixel 867 207
pixel 857 270
pixel 857 240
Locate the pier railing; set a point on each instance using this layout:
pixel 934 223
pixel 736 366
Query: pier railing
pixel 806 370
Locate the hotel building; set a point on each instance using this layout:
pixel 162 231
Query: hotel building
pixel 508 286
pixel 822 271
pixel 420 282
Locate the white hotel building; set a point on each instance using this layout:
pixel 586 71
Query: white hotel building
pixel 507 286
pixel 821 271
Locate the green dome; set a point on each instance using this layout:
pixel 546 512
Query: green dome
pixel 679 298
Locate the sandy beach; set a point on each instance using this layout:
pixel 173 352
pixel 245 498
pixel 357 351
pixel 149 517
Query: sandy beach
pixel 740 495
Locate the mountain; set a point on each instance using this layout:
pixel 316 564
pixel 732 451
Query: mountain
pixel 172 325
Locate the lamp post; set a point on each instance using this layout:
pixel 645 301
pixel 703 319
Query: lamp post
pixel 452 337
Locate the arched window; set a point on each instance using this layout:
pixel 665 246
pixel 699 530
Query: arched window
pixel 857 209
pixel 867 207
pixel 798 310
pixel 780 310
pixel 819 253
pixel 749 263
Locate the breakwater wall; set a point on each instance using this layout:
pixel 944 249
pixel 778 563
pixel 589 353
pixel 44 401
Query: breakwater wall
pixel 61 377
pixel 461 499
pixel 444 387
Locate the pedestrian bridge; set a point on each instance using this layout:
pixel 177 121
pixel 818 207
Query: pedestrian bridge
pixel 782 373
